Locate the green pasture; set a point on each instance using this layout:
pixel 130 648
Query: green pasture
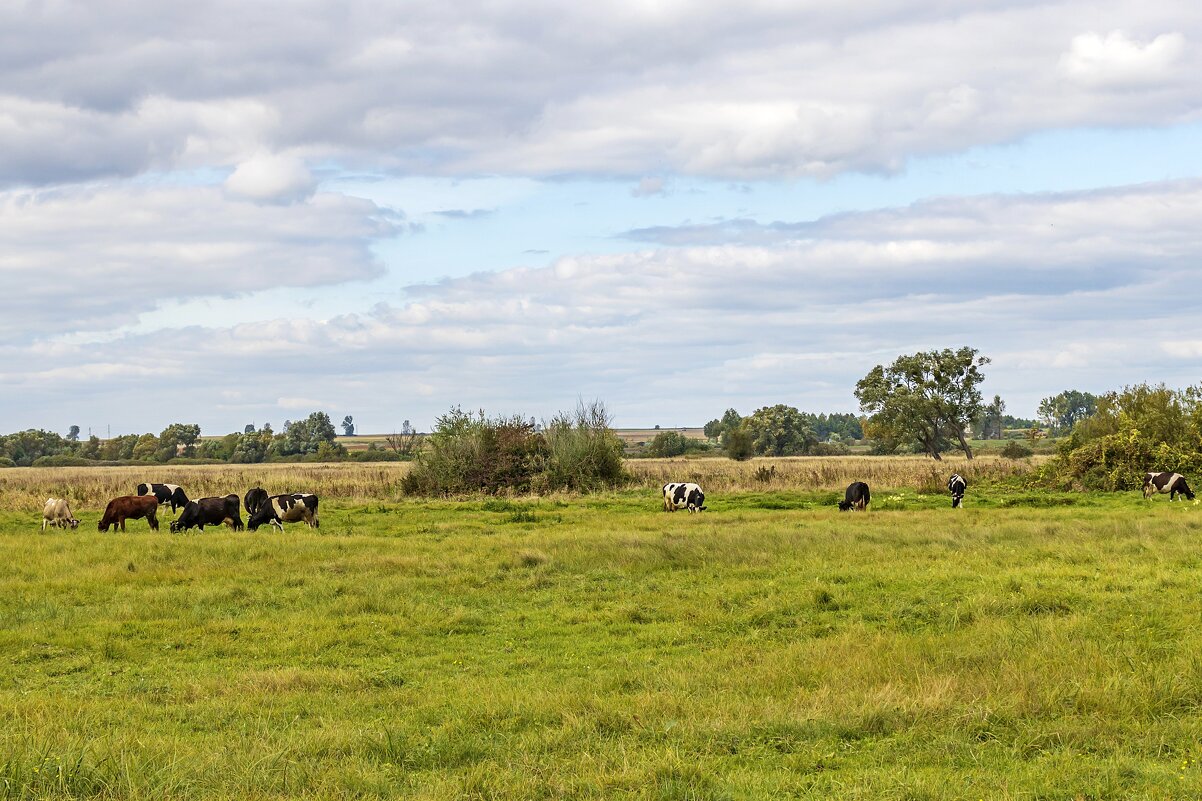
pixel 1030 646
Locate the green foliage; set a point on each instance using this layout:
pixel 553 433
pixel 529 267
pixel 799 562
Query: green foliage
pixel 177 439
pixel 927 398
pixel 739 444
pixel 582 451
pixel 780 430
pixel 469 453
pixel 252 447
pixel 7 462
pixel 1062 412
pixel 992 420
pixel 1141 429
pixel 668 443
pixel 313 435
pixel 1016 450
pixel 24 447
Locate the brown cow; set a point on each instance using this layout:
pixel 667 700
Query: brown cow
pixel 130 506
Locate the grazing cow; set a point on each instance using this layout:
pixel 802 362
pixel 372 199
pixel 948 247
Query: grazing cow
pixel 130 506
pixel 1172 483
pixel 683 496
pixel 57 513
pixel 857 497
pixel 288 508
pixel 209 512
pixel 956 486
pixel 254 500
pixel 166 494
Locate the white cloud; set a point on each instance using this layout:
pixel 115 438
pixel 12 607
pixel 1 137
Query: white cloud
pixel 536 88
pixel 1117 61
pixel 272 177
pixel 96 257
pixel 1061 290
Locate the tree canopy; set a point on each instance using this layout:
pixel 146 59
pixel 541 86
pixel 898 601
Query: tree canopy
pixel 928 399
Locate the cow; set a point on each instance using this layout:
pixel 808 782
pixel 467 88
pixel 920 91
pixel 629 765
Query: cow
pixel 287 508
pixel 57 513
pixel 209 512
pixel 956 486
pixel 130 506
pixel 1172 483
pixel 857 497
pixel 683 496
pixel 166 494
pixel 255 498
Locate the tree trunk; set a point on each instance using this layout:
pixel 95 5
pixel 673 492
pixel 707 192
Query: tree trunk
pixel 964 443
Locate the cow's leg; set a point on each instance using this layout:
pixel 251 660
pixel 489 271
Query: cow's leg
pixel 278 525
pixel 122 524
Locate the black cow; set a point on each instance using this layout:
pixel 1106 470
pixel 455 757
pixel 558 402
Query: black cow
pixel 289 508
pixel 856 497
pixel 209 512
pixel 1172 483
pixel 956 486
pixel 166 494
pixel 683 496
pixel 254 500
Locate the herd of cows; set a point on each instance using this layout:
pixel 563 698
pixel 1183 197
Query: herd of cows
pixel 261 509
pixel 858 496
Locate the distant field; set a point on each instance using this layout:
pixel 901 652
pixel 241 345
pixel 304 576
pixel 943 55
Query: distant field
pixel 1030 646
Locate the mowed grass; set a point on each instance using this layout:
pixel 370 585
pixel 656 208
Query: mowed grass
pixel 597 647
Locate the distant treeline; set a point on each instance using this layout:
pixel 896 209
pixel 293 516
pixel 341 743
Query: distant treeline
pixel 311 439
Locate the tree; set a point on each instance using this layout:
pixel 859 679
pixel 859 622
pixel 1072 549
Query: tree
pixel 780 430
pixel 928 398
pixel 73 434
pixel 308 436
pixel 177 439
pixel 1065 410
pixel 738 443
pixel 993 419
pixel 405 443
pixel 348 426
pixel 250 428
pixel 668 443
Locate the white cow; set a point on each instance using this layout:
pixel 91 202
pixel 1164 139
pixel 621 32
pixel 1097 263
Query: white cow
pixel 57 513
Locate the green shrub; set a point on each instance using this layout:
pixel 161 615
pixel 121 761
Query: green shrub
pixel 61 461
pixel 582 451
pixel 740 444
pixel 6 462
pixel 469 453
pixel 1016 450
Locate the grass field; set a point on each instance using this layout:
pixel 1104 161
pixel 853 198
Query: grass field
pixel 1030 646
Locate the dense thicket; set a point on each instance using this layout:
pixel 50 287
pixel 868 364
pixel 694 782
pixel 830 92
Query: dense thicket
pixel 1138 429
pixel 470 453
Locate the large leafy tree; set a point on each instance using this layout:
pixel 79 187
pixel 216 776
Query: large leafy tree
pixel 780 430
pixel 928 398
pixel 1065 410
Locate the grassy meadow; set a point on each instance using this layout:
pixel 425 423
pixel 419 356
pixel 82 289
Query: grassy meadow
pixel 1030 646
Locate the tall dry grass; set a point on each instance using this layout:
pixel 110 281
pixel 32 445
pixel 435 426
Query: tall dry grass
pixel 826 472
pixel 93 487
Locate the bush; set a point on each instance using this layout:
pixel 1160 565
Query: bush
pixel 1016 450
pixel 740 444
pixel 62 461
pixel 582 451
pixel 471 453
pixel 6 462
pixel 830 449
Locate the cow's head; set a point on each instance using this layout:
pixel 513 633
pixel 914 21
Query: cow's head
pixel 844 506
pixel 72 522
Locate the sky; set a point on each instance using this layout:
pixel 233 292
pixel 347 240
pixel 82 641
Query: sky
pixel 222 214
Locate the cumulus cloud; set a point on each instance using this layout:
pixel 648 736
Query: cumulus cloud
pixel 1117 61
pixel 271 177
pixel 1060 289
pixel 761 89
pixel 96 257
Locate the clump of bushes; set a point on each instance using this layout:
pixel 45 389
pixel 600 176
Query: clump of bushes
pixel 1016 450
pixel 471 453
pixel 1142 428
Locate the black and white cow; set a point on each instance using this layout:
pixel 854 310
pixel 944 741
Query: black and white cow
pixel 956 486
pixel 1172 483
pixel 289 508
pixel 166 494
pixel 254 500
pixel 857 497
pixel 209 512
pixel 683 496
